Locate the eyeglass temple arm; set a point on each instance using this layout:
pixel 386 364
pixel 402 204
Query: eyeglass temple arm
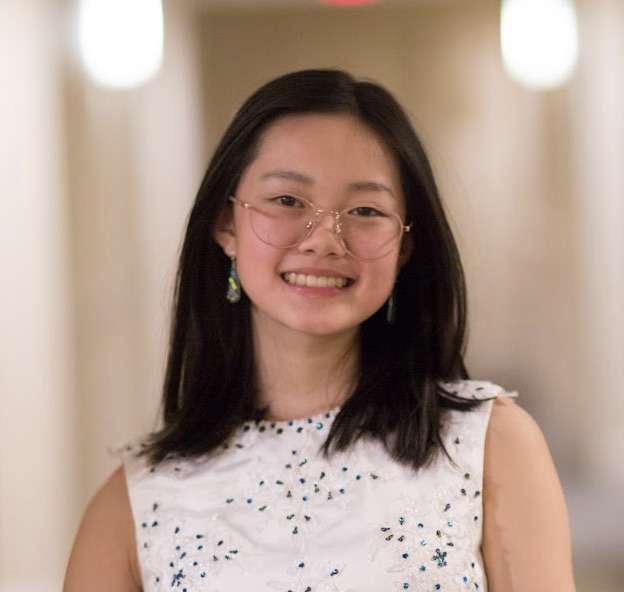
pixel 235 200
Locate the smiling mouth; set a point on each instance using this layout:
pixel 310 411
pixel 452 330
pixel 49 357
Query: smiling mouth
pixel 315 281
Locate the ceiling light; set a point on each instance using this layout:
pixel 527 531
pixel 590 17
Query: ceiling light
pixel 539 41
pixel 121 41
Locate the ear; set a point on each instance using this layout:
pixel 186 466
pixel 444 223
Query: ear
pixel 224 232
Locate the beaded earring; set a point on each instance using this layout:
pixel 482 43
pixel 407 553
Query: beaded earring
pixel 391 309
pixel 233 293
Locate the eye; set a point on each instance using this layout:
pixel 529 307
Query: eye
pixel 288 201
pixel 366 212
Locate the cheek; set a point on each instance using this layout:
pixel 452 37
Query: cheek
pixel 378 280
pixel 257 266
pixel 386 269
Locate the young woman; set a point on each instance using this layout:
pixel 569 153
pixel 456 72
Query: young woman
pixel 320 431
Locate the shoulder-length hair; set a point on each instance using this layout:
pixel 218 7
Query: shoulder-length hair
pixel 210 385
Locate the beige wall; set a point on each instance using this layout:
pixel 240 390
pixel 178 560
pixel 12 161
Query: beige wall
pixel 135 161
pixel 38 470
pixel 95 187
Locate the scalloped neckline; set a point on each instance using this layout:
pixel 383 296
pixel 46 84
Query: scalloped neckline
pixel 307 420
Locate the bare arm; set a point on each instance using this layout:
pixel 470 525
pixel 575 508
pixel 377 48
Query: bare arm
pixel 526 536
pixel 104 555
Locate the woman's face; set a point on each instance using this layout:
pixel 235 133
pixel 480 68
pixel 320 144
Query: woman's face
pixel 332 152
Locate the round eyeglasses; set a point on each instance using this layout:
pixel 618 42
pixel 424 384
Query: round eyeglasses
pixel 365 231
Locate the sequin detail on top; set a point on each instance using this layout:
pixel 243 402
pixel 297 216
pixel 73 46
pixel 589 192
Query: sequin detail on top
pixel 268 513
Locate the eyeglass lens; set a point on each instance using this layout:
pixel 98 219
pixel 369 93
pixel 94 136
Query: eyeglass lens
pixel 367 231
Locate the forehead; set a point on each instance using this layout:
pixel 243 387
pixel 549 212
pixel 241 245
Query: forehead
pixel 329 149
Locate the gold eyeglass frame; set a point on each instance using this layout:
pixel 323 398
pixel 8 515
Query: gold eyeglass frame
pixel 318 212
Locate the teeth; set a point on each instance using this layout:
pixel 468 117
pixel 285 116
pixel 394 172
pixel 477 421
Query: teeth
pixel 314 281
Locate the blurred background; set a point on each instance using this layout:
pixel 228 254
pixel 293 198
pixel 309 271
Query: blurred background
pixel 99 166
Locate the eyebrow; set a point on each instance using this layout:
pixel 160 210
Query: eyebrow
pixel 305 180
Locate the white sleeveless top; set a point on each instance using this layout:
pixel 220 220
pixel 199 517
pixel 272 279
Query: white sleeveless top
pixel 267 513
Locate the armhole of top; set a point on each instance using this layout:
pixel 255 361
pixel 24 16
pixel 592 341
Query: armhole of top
pixel 472 424
pixel 503 394
pixel 134 469
pixel 494 392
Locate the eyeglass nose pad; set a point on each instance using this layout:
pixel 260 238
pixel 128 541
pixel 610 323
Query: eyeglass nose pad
pixel 309 227
pixel 313 223
pixel 336 224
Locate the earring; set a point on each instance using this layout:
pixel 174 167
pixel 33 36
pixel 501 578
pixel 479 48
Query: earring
pixel 233 293
pixel 391 309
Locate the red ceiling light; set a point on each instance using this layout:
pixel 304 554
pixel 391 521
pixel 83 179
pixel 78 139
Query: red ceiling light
pixel 347 2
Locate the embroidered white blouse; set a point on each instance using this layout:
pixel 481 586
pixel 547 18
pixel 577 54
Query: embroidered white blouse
pixel 267 513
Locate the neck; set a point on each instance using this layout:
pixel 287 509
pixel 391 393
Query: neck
pixel 299 374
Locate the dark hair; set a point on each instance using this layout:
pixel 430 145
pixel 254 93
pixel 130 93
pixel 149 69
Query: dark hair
pixel 210 384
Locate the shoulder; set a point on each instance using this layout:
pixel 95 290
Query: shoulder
pixel 516 450
pixel 104 555
pixel 511 426
pixel 525 516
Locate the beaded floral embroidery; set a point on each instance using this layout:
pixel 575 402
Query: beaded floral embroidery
pixel 270 514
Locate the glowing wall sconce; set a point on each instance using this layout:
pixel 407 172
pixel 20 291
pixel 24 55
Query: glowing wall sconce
pixel 121 41
pixel 539 41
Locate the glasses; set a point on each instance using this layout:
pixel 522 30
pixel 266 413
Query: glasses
pixel 365 231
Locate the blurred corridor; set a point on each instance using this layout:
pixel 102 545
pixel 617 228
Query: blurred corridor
pixel 95 185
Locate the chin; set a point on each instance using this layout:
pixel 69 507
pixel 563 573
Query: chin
pixel 321 329
pixel 320 326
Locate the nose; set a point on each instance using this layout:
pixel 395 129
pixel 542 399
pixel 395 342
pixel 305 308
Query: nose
pixel 322 238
